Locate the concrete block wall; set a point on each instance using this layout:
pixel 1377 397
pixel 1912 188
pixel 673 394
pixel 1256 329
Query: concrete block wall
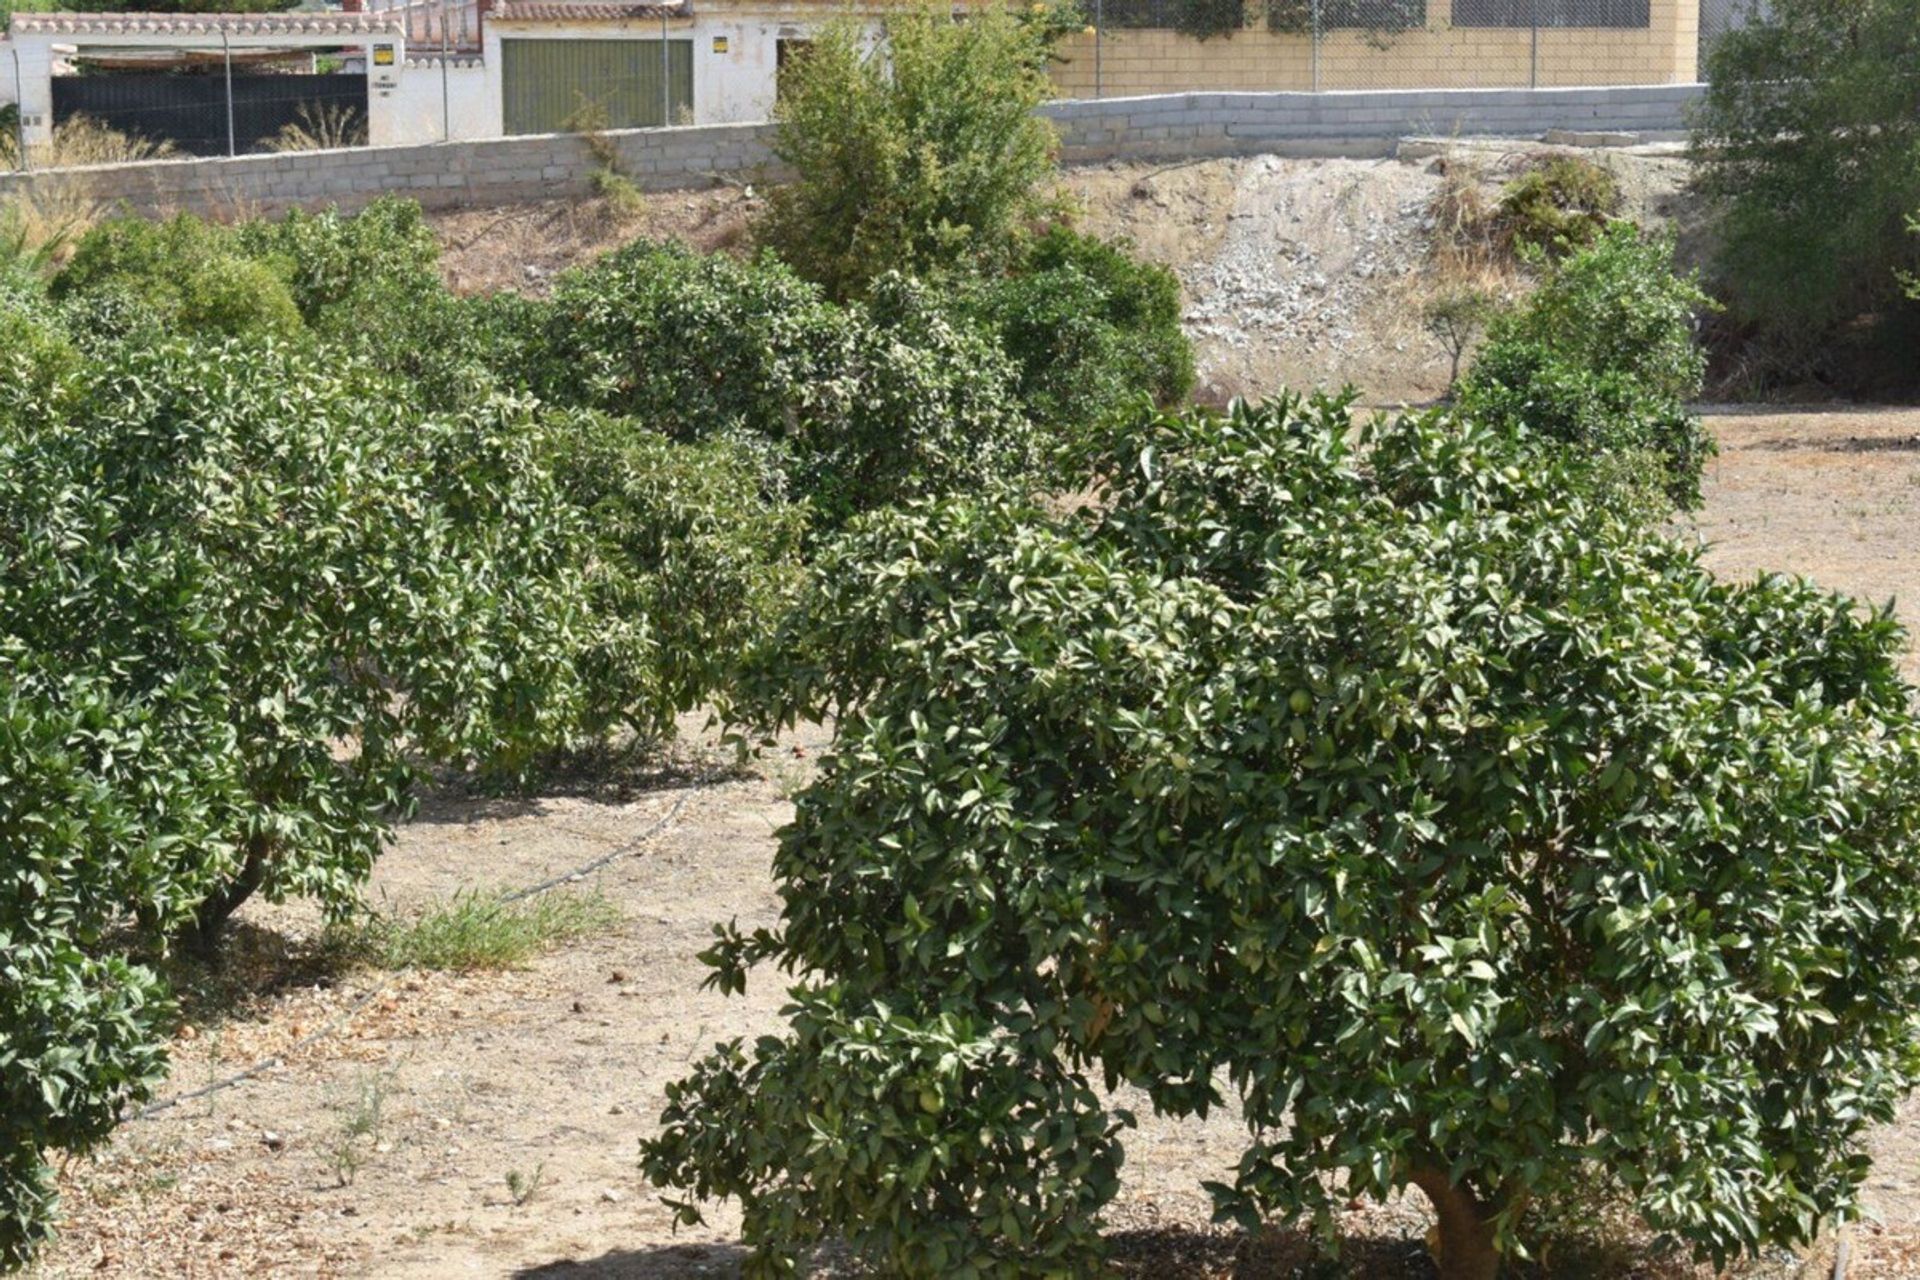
pixel 512 170
pixel 1350 123
pixel 439 175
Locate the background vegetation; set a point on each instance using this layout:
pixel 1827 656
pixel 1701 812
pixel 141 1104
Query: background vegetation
pixel 1811 148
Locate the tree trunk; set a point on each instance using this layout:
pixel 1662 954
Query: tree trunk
pixel 1466 1249
pixel 210 918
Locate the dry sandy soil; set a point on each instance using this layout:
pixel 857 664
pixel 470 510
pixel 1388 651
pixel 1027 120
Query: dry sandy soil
pixel 1295 272
pixel 556 1071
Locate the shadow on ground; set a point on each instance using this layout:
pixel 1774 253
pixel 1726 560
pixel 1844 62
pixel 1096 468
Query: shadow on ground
pixel 1176 1253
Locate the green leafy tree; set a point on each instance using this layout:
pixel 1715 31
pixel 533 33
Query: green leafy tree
pixel 1603 357
pixel 922 153
pixel 691 555
pixel 186 275
pixel 1469 836
pixel 1810 145
pixel 861 405
pixel 103 795
pixel 1093 329
pixel 361 584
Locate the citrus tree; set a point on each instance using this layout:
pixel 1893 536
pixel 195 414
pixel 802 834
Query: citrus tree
pixel 358 587
pixel 689 553
pixel 897 397
pixel 1464 834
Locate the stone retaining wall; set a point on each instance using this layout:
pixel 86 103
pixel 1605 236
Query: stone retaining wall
pixel 511 170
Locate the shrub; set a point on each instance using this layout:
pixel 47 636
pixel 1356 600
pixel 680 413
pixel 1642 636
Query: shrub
pixel 1602 356
pixel 929 407
pixel 1810 148
pixel 694 345
pixel 690 556
pixel 101 794
pixel 343 270
pixel 863 405
pixel 192 277
pixel 1476 837
pixel 1092 328
pixel 357 583
pixel 1560 204
pixel 926 156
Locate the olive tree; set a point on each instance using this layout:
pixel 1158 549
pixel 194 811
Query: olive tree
pixel 1464 834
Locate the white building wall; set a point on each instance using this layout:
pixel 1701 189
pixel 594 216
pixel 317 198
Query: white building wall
pixel 34 90
pixel 737 86
pixel 733 84
pixel 419 110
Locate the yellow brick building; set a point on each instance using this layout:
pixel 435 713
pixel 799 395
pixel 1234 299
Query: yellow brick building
pixel 1486 44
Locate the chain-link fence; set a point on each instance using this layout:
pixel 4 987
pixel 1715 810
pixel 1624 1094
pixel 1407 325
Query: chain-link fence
pixel 1717 17
pixel 1162 46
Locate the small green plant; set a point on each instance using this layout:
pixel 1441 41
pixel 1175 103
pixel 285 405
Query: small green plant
pixel 523 1187
pixel 362 1115
pixel 474 931
pixel 925 154
pixel 623 198
pixel 1558 205
pixel 1456 316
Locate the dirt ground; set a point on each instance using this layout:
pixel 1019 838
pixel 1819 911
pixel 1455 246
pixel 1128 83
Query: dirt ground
pixel 1295 272
pixel 552 1074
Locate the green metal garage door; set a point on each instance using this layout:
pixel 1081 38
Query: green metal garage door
pixel 551 85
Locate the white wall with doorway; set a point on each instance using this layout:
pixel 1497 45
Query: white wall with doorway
pixel 736 54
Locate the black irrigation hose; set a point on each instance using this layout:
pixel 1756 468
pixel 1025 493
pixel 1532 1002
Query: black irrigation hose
pixel 346 1015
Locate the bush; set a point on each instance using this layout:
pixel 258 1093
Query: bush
pixel 929 156
pixel 343 270
pixel 863 405
pixel 192 277
pixel 1560 204
pixel 929 407
pixel 356 584
pixel 1810 148
pixel 694 345
pixel 1602 356
pixel 1475 835
pixel 102 793
pixel 691 555
pixel 1092 328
